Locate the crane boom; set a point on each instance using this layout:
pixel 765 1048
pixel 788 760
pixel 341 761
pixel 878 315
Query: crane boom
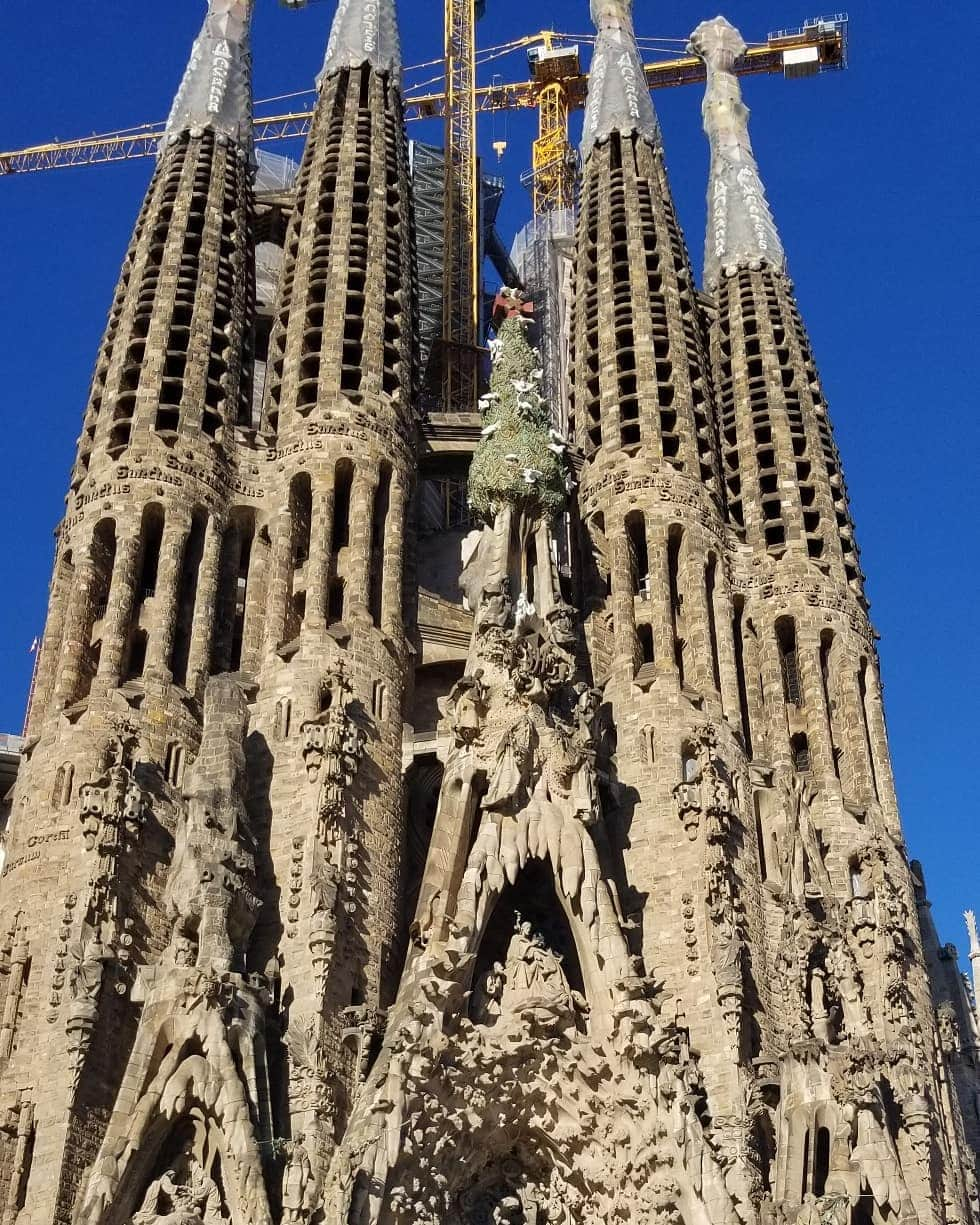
pixel 826 38
pixel 461 207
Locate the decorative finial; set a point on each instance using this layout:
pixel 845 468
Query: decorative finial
pixel 741 230
pixel 364 32
pixel 216 92
pixel 619 96
pixel 971 927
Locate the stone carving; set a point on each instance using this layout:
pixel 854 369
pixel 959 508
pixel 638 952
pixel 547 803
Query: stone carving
pixel 210 897
pixel 89 959
pixel 192 1075
pixel 313 1095
pixel 465 708
pixel 803 873
pixel 112 806
pixel 17 1137
pixel 299 1185
pixel 332 746
pixel 14 961
pixel 61 956
pixel 171 1200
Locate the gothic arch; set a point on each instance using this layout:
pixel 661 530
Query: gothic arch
pixel 186 1108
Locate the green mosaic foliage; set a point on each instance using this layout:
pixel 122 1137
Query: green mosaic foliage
pixel 516 463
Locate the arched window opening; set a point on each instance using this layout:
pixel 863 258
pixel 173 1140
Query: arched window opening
pixel 236 557
pixel 530 575
pixel 863 673
pixel 821 1161
pixel 789 660
pixel 800 746
pixel 805 1187
pixel 826 646
pixel 241 597
pixel 690 767
pixel 301 511
pixel 379 701
pixel 151 540
pixel 335 601
pixel 423 782
pixel 343 483
pixel 187 598
pixel 136 660
pixel 636 534
pixel 760 838
pixel 103 565
pixel 674 541
pixel 710 584
pixel 765 1147
pixel 743 692
pixel 644 634
pixel 379 528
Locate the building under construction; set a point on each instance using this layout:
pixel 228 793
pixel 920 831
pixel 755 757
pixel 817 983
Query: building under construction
pixel 456 788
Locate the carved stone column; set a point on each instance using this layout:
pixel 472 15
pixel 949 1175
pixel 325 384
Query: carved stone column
pixel 624 616
pixel 120 608
pixel 394 560
pixel 279 572
pixel 78 624
pixel 818 721
pixel 659 591
pixel 199 657
pixel 50 648
pixel 366 480
pixel 175 537
pixel 318 566
pixel 724 634
pixel 692 585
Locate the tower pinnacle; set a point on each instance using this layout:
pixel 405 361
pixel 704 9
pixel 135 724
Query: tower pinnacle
pixel 741 229
pixel 618 99
pixel 216 91
pixel 971 926
pixel 364 32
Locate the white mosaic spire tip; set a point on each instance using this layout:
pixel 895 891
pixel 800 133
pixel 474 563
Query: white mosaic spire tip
pixel 364 32
pixel 741 229
pixel 619 97
pixel 216 91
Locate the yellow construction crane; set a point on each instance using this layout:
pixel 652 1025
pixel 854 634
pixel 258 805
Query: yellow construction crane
pixel 461 211
pixel 823 44
pixel 555 87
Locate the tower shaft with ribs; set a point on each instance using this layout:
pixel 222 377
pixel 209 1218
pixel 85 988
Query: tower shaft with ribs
pixel 333 893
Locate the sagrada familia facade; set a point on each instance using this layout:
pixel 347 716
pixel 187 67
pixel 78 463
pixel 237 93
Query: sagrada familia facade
pixel 485 819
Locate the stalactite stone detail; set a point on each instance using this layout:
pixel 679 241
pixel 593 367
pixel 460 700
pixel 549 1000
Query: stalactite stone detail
pixel 741 229
pixel 518 462
pixel 216 91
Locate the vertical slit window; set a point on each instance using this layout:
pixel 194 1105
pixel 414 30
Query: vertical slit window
pixel 710 584
pixel 789 660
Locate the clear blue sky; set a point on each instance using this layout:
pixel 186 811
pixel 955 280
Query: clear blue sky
pixel 873 179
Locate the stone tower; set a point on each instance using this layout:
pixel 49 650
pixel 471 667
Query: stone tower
pixel 332 896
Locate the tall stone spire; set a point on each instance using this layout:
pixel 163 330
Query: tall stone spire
pixel 971 927
pixel 618 99
pixel 741 229
pixel 364 32
pixel 216 91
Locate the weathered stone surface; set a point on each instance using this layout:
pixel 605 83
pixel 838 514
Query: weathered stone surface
pixel 560 882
